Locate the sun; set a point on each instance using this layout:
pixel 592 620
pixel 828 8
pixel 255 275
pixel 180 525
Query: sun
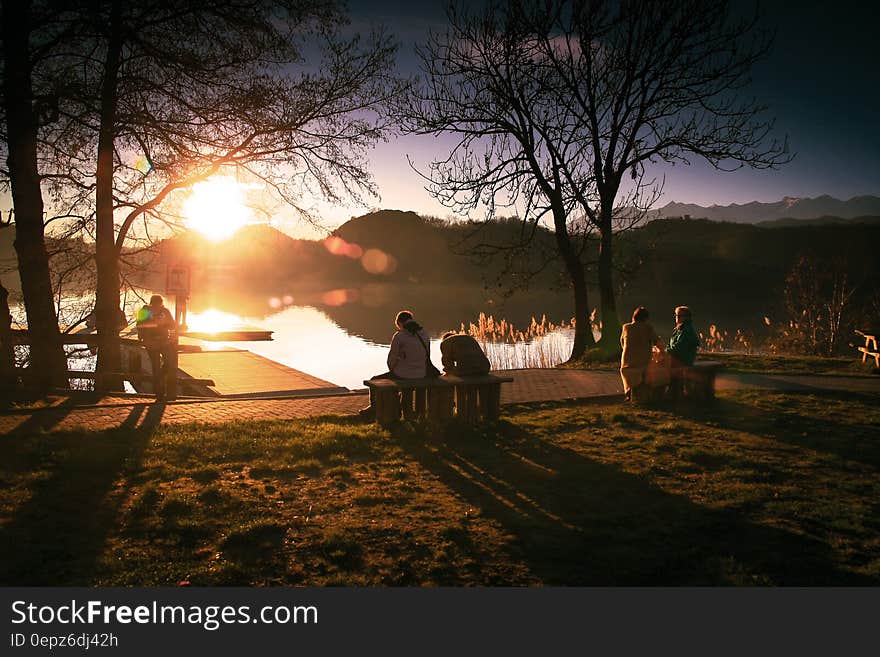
pixel 216 208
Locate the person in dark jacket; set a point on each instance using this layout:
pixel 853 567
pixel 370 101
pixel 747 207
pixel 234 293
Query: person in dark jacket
pixel 462 355
pixel 157 330
pixel 684 341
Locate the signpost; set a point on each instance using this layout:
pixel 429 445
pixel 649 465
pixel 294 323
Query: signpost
pixel 177 282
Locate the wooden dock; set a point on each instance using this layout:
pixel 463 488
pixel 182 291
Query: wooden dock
pixel 242 374
pixel 210 372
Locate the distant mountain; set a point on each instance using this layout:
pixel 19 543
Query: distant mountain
pixel 254 253
pixel 787 208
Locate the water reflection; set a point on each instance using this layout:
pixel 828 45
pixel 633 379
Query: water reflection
pixel 307 340
pixel 342 335
pixel 212 321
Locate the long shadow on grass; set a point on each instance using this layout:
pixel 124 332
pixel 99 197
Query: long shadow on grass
pixel 576 521
pixel 855 441
pixel 56 537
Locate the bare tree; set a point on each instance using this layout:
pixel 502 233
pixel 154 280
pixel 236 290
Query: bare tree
pixel 483 83
pixel 817 298
pixel 193 88
pixel 659 82
pixel 585 96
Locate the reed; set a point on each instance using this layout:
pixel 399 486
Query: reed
pixel 541 344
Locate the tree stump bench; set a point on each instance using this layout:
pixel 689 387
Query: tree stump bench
pixel 698 380
pixel 469 398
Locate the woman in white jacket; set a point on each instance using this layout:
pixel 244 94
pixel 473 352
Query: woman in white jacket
pixel 408 356
pixel 409 349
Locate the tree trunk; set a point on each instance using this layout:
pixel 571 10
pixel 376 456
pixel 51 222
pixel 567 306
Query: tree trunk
pixel 583 334
pixel 7 350
pixel 106 261
pixel 583 331
pixel 48 363
pixel 609 342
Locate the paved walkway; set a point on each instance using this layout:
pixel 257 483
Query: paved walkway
pixel 529 386
pixel 549 384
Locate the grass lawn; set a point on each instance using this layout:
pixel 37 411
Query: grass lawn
pixel 767 364
pixel 764 364
pixel 757 489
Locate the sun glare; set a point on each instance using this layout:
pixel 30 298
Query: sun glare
pixel 216 208
pixel 212 321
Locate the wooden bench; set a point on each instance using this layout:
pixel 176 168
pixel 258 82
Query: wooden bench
pixel 477 398
pixel 470 398
pixel 698 380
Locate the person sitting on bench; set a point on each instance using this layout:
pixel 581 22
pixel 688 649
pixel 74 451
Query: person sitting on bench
pixel 684 341
pixel 408 356
pixel 462 355
pixel 637 340
pixel 682 349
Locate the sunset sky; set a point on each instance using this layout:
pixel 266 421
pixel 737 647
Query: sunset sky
pixel 821 82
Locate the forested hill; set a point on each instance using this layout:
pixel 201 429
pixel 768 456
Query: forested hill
pixel 384 246
pixel 732 270
pixel 719 254
pixel 739 271
pixel 669 260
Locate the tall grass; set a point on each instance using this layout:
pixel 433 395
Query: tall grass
pixel 717 340
pixel 541 344
pixel 546 344
pixel 790 337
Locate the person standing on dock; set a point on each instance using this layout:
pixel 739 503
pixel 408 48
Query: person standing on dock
pixel 157 330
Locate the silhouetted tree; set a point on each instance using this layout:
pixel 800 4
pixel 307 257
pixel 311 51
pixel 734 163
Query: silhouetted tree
pixel 565 104
pixel 28 34
pixel 818 295
pixel 194 87
pixel 482 84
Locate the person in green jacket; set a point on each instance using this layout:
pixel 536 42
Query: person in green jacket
pixel 684 341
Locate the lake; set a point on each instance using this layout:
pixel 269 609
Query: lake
pixel 342 335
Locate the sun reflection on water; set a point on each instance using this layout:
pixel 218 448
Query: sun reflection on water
pixel 307 339
pixel 212 321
